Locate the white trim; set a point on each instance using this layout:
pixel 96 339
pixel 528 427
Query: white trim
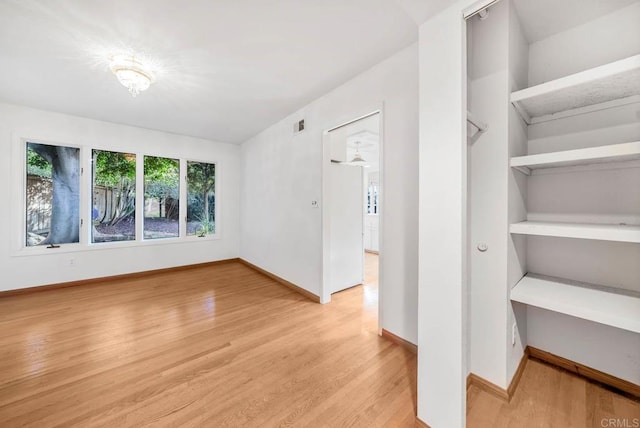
pixel 325 292
pixel 380 214
pixel 144 200
pixel 20 238
pixel 349 122
pixel 477 7
pixel 139 198
pixel 216 192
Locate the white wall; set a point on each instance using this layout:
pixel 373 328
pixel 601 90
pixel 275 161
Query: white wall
pixel 442 318
pixel 609 38
pixel 20 271
pixel 497 64
pixel 608 349
pixel 488 224
pixel 592 194
pixel 282 174
pixel 586 195
pixel 517 199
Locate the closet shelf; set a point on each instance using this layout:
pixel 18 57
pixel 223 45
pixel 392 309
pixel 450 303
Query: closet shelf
pixel 603 305
pixel 600 232
pixel 606 86
pixel 592 155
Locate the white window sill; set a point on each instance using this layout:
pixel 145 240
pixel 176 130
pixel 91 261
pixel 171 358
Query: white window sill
pixel 76 248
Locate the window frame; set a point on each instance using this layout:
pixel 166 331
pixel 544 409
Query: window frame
pixel 19 162
pixel 216 209
pixel 373 198
pixel 89 213
pixel 181 170
pixel 18 186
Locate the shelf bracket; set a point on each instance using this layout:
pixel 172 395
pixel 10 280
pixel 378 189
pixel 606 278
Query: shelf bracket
pixel 522 169
pixel 480 126
pixel 522 112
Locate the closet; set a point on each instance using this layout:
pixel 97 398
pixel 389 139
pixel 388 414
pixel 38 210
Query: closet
pixel 554 186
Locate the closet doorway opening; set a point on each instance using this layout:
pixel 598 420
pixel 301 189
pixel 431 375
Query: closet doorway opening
pixel 352 209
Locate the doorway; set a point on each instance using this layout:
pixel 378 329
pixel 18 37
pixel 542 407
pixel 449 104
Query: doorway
pixel 352 208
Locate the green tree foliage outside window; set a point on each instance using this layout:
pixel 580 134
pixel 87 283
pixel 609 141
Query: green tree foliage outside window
pixel 53 196
pixel 161 197
pixel 114 196
pixel 201 184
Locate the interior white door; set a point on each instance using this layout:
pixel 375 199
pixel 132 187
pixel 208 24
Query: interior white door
pixel 346 227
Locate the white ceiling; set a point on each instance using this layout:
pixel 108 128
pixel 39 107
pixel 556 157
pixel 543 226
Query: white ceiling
pixel 421 10
pixel 230 68
pixel 544 18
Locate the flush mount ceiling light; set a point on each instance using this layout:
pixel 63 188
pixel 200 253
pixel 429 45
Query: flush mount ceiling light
pixel 132 72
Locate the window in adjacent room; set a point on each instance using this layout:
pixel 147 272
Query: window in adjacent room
pixel 201 198
pixel 372 198
pixel 52 195
pixel 113 212
pixel 161 197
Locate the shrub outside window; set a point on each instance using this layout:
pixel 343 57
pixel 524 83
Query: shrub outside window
pixel 201 198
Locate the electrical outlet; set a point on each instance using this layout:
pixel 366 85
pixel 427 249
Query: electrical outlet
pixel 513 334
pixel 72 261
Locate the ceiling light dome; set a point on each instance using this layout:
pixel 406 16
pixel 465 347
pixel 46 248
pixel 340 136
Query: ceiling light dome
pixel 358 160
pixel 132 72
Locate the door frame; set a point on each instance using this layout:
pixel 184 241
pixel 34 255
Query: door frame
pixel 325 291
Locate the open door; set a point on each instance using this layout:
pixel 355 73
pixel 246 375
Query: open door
pixel 346 229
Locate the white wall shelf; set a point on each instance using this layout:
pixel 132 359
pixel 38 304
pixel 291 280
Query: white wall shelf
pixel 606 86
pixel 590 302
pixel 593 155
pixel 601 232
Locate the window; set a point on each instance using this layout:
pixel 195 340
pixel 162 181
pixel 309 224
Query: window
pixel 201 198
pixel 52 195
pixel 161 197
pixel 113 213
pixel 129 198
pixel 372 198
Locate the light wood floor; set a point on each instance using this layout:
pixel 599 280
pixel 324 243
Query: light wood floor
pixel 225 346
pixel 549 397
pixel 222 346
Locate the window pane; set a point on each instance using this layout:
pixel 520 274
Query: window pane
pixel 161 197
pixel 201 198
pixel 372 199
pixel 113 212
pixel 53 194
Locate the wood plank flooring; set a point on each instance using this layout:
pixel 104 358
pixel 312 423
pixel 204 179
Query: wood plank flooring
pixel 220 346
pixel 225 346
pixel 549 397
